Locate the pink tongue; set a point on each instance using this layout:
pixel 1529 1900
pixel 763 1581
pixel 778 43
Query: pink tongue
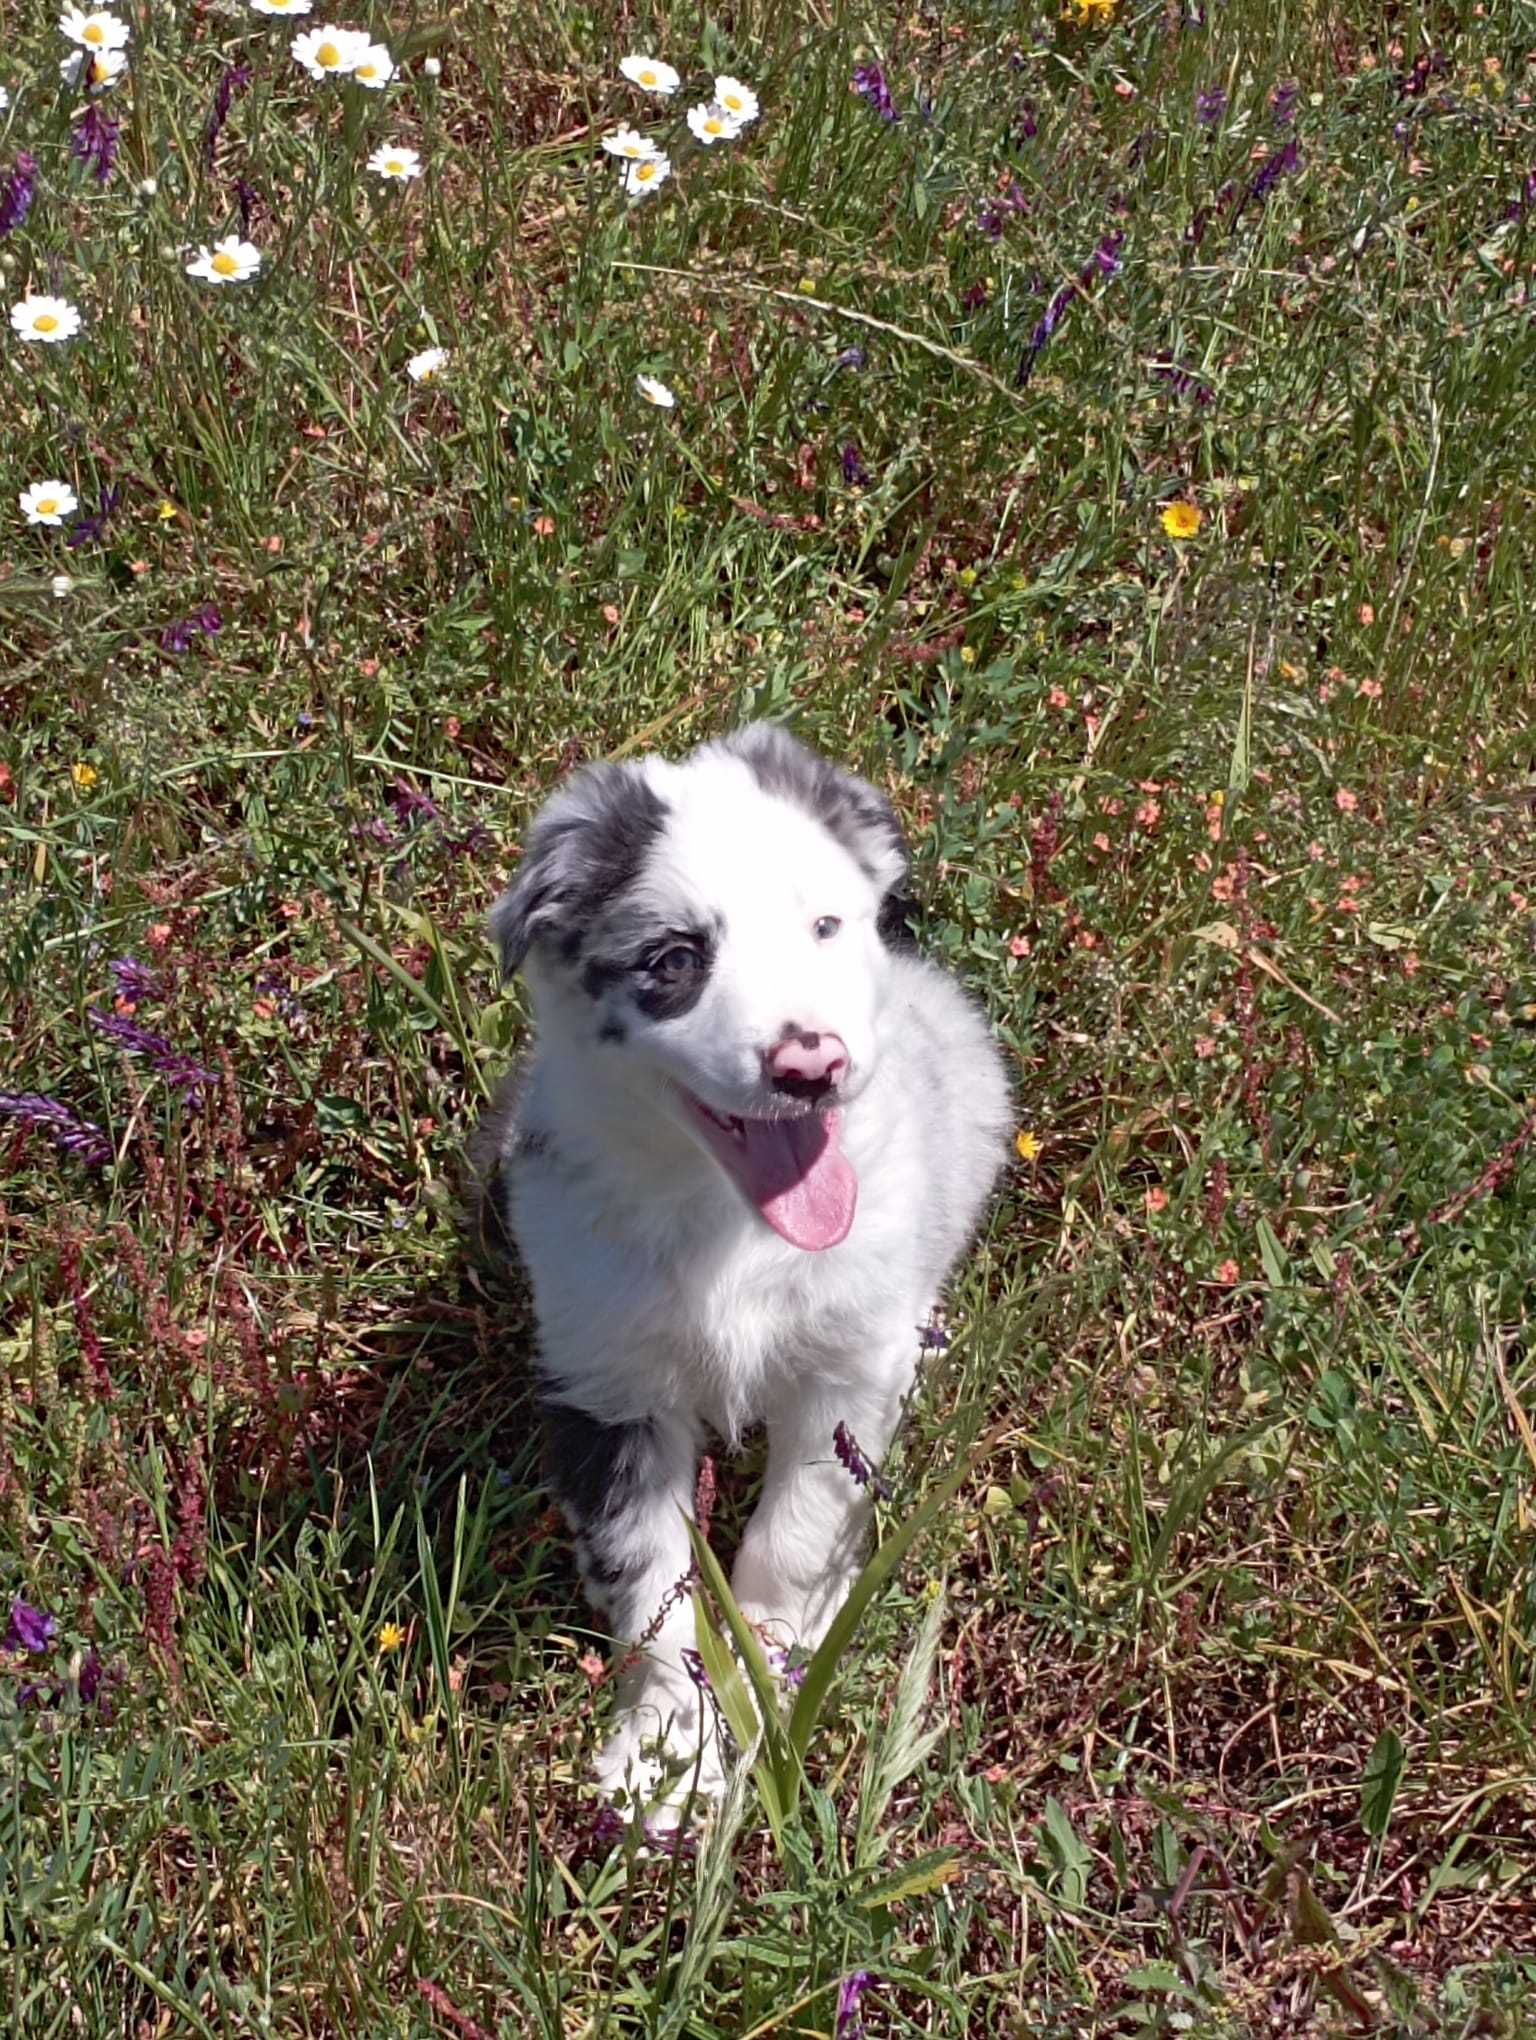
pixel 796 1174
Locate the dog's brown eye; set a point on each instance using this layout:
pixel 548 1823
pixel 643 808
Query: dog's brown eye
pixel 826 927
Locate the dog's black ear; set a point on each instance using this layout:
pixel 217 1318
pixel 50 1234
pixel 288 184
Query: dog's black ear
pixel 849 808
pixel 586 846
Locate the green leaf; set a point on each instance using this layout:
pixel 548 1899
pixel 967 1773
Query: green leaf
pixel 925 1873
pixel 1072 1858
pixel 730 1689
pixel 1378 1786
pixel 1272 1254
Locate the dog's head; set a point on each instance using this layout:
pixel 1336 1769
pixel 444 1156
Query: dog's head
pixel 722 925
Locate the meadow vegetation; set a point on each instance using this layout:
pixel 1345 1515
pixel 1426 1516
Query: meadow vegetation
pixel 1112 433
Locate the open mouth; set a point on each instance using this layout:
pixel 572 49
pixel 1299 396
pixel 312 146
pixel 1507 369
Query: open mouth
pixel 793 1172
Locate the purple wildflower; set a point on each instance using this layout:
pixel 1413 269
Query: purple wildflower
pixel 979 294
pixel 849 2025
pixel 204 622
pixel 1045 326
pixel 693 1665
pixel 1269 174
pixel 851 357
pixel 16 193
pixel 1183 380
pixel 608 1826
pixel 412 805
pixel 1282 102
pixel 869 82
pixel 855 474
pixel 95 142
pixel 1106 257
pixel 933 1337
pixel 850 1455
pixel 134 981
pixel 1210 105
pixel 82 1138
pixel 476 837
pixel 234 78
pixel 183 1075
pixel 30 1629
pixel 1026 124
pixel 88 529
pixel 246 199
pixel 788 1666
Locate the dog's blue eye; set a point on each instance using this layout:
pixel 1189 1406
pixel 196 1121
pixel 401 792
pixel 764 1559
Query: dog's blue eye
pixel 826 927
pixel 675 962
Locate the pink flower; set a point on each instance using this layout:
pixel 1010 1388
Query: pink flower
pixel 1345 801
pixel 1228 1273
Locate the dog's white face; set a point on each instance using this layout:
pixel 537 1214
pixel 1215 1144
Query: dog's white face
pixel 718 932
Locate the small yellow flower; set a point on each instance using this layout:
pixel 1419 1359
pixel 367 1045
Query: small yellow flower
pixel 1029 1145
pixel 1182 520
pixel 166 511
pixel 1101 11
pixel 966 577
pixel 84 776
pixel 967 655
pixel 806 286
pixel 390 1637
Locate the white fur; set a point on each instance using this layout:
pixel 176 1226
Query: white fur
pixel 661 1293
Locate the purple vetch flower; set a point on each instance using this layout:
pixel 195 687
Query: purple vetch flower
pixel 1026 124
pixel 82 1138
pixel 134 982
pixel 182 1073
pixel 608 1826
pixel 855 474
pixel 375 830
pixel 1281 164
pixel 1183 380
pixel 849 2025
pixel 30 1628
pixel 412 805
pixel 1045 326
pixel 933 1337
pixel 693 1665
pixel 234 78
pixel 851 357
pixel 204 622
pixel 16 193
pixel 979 294
pixel 1106 257
pixel 1282 102
pixel 95 142
pixel 850 1455
pixel 1526 198
pixel 476 837
pixel 1210 105
pixel 788 1666
pixel 869 82
pixel 88 529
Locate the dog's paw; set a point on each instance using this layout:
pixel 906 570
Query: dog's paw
pixel 660 1768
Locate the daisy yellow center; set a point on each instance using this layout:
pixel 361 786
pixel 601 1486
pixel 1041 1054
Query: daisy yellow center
pixel 328 54
pixel 100 70
pixel 733 102
pixel 367 70
pixel 45 322
pixel 94 32
pixel 645 172
pixel 394 166
pixel 714 126
pixel 647 77
pixel 225 263
pixel 47 506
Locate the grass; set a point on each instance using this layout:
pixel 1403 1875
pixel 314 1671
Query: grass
pixel 1206 1705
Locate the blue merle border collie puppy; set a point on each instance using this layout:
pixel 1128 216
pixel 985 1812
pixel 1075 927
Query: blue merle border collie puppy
pixel 752 1137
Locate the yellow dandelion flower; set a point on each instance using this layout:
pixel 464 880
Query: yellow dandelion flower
pixel 84 776
pixel 1089 11
pixel 1030 1146
pixel 390 1637
pixel 1182 520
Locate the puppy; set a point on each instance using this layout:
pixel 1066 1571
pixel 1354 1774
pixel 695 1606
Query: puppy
pixel 752 1137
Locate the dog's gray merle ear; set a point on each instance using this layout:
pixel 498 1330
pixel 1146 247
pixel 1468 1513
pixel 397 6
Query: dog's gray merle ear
pixel 849 808
pixel 586 846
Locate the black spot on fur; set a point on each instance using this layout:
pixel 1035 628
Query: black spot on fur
pixel 599 1471
pixel 599 975
pixel 896 922
pixel 584 851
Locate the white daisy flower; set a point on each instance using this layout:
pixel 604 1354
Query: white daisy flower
pixel 45 318
pixel 651 75
pixel 62 585
pixel 329 52
pixel 5 99
pixel 648 175
pixel 105 68
pixel 99 31
pixel 281 6
pixel 710 124
pixel 630 145
pixel 374 68
pixel 431 67
pixel 48 502
pixel 429 363
pixel 655 392
pixel 739 100
pixel 228 261
pixel 394 161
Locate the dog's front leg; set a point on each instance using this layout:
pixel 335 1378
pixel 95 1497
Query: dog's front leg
pixel 805 1543
pixel 625 1489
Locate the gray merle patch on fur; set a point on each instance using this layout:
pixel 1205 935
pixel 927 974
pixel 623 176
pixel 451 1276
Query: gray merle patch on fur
pixel 599 1470
pixel 585 851
pixel 849 809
